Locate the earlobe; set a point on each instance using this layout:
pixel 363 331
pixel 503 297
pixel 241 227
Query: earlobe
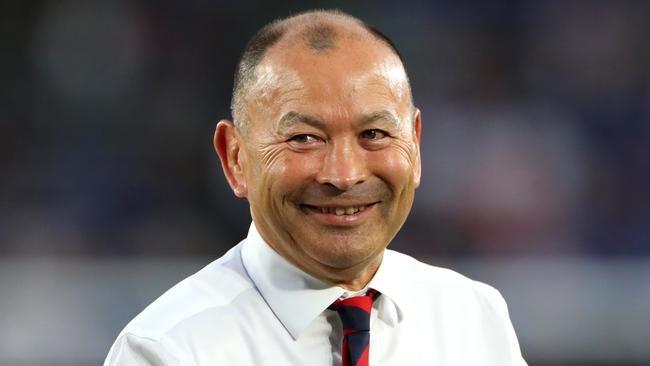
pixel 228 148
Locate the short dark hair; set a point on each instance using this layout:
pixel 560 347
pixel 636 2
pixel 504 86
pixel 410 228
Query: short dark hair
pixel 320 37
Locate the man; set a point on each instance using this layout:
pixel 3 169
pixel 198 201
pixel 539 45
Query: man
pixel 325 147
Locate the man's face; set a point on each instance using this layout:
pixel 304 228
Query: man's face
pixel 330 153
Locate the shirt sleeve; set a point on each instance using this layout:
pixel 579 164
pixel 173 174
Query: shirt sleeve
pixel 133 350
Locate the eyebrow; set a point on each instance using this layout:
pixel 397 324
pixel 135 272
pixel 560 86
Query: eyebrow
pixel 379 115
pixel 293 118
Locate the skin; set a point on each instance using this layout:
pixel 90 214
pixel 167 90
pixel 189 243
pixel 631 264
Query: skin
pixel 327 130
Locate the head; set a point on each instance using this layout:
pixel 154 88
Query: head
pixel 324 143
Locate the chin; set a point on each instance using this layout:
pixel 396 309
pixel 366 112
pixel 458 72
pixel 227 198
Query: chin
pixel 344 253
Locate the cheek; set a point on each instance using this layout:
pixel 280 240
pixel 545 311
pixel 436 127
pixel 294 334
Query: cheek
pixel 284 173
pixel 392 165
pixel 263 176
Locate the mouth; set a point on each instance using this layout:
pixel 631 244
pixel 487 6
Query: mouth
pixel 344 214
pixel 338 210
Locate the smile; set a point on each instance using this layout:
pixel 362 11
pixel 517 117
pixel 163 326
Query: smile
pixel 339 210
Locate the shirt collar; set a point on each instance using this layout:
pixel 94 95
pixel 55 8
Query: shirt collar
pixel 389 280
pixel 297 298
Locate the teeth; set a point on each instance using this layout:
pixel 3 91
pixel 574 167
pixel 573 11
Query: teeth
pixel 340 211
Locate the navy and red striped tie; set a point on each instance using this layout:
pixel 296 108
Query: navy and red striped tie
pixel 355 316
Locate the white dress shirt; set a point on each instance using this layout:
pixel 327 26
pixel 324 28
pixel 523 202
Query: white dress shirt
pixel 252 307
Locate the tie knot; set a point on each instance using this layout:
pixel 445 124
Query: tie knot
pixel 355 311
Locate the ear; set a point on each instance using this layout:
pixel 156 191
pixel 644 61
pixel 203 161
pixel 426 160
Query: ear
pixel 417 129
pixel 227 144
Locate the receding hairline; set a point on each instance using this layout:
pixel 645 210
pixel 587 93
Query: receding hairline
pixel 321 30
pixel 314 28
pixel 317 30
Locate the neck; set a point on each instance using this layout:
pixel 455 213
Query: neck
pixel 347 274
pixel 351 279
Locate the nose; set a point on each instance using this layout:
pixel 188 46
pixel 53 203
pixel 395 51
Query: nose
pixel 344 165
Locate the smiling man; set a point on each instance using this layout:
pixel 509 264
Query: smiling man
pixel 325 148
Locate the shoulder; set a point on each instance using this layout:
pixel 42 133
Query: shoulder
pixel 444 284
pixel 467 314
pixel 211 288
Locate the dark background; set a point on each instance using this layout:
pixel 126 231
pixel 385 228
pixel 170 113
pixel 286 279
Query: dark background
pixel 536 131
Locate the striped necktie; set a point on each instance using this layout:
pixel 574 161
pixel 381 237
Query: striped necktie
pixel 355 316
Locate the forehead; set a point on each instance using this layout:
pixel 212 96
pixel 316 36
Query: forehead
pixel 354 73
pixel 348 56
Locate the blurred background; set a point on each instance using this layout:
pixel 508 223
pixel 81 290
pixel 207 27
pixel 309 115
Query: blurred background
pixel 536 140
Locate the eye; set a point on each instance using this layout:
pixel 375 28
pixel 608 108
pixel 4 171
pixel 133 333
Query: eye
pixel 373 134
pixel 304 139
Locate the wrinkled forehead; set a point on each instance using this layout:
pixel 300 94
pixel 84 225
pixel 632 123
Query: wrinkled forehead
pixel 351 64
